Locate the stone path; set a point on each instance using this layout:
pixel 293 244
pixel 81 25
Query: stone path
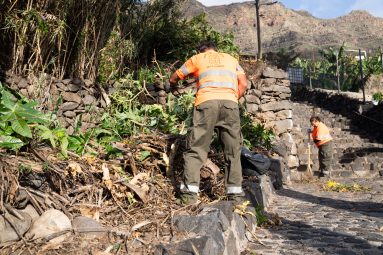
pixel 319 222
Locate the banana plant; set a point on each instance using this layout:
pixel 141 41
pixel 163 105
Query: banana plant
pixel 334 57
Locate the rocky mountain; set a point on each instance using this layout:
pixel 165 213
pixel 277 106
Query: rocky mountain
pixel 284 28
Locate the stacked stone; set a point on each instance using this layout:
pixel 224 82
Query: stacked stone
pixel 74 99
pixel 269 101
pixel 157 92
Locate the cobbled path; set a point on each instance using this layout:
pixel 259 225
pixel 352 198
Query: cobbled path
pixel 315 221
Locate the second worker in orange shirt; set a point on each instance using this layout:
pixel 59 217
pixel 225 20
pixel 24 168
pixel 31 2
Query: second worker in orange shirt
pixel 323 140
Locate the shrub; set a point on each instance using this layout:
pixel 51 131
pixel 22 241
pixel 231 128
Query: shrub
pixel 378 96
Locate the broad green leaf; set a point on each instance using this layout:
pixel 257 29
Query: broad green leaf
pixel 6 130
pixel 10 142
pixel 64 146
pixel 99 131
pixel 8 117
pixel 47 134
pixel 22 128
pixel 60 132
pixel 76 144
pixel 31 115
pixel 7 99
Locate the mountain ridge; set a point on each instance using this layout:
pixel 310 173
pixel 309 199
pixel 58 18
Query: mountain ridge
pixel 292 30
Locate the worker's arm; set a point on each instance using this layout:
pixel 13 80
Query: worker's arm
pixel 174 79
pixel 188 68
pixel 242 85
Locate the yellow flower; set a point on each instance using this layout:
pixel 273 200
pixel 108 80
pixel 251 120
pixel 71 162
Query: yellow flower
pixel 332 184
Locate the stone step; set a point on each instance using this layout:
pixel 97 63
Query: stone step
pixel 356 152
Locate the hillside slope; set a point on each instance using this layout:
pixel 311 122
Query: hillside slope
pixel 290 29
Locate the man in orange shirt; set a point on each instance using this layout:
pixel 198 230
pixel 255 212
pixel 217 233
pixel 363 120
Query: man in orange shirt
pixel 221 81
pixel 323 140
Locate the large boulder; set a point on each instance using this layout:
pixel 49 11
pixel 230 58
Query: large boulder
pixel 215 230
pixel 49 223
pixel 194 245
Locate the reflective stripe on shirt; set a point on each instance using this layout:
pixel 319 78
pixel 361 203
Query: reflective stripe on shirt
pixel 220 84
pixel 184 70
pixel 217 73
pixel 323 137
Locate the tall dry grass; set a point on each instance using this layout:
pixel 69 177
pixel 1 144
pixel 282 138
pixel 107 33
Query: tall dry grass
pixel 60 37
pixel 66 38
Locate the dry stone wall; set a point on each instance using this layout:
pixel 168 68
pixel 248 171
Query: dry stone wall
pixel 76 102
pixel 268 100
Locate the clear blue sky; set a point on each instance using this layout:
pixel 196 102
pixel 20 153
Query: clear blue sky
pixel 324 9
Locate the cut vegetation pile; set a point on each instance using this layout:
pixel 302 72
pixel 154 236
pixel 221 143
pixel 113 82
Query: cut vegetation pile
pixel 130 196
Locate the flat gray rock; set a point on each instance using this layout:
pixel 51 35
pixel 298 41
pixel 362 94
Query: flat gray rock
pixel 68 106
pixel 88 99
pixel 87 225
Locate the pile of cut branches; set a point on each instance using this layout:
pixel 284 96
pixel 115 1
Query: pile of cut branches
pixel 133 196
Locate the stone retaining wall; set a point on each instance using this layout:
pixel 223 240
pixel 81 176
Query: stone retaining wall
pixel 268 100
pixel 75 101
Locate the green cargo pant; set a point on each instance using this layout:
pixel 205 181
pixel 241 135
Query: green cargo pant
pixel 222 115
pixel 325 157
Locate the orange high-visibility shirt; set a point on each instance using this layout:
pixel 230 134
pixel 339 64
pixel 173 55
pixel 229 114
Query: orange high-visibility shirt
pixel 216 75
pixel 321 134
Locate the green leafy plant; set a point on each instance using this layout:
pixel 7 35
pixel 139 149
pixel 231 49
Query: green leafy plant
pixel 79 143
pixel 190 33
pixel 340 64
pixel 17 118
pixel 54 136
pixel 261 217
pixel 339 187
pixel 182 107
pixel 20 122
pixel 255 134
